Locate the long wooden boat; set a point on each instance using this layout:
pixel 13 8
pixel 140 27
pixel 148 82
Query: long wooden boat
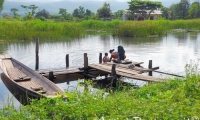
pixel 26 82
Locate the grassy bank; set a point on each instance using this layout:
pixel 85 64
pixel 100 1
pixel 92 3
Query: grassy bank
pixel 28 30
pixel 173 99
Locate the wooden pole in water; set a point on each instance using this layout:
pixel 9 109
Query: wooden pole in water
pixel 113 71
pixel 67 60
pixel 100 58
pixel 85 61
pixel 51 75
pixel 150 66
pixel 37 51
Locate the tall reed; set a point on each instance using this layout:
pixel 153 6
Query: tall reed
pixel 45 30
pixel 27 30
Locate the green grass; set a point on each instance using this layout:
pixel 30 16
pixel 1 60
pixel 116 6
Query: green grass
pixel 11 30
pixel 172 99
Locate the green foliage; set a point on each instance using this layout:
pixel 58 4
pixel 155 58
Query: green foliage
pixel 32 8
pixel 166 13
pixel 28 30
pixel 63 12
pixel 149 27
pixel 104 11
pixel 180 10
pixel 194 10
pixel 142 28
pixel 82 13
pixel 62 29
pixel 118 14
pixel 140 7
pixel 171 99
pixel 1 5
pixel 43 13
pixel 14 10
pixel 79 12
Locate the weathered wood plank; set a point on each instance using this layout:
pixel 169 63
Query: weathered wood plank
pixel 59 72
pixel 125 73
pixel 97 66
pixel 133 67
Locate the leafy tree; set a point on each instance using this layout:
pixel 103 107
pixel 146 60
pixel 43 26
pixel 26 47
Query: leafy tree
pixel 140 7
pixel 88 12
pixel 118 14
pixel 180 10
pixel 42 13
pixel 63 12
pixel 1 5
pixel 166 13
pixel 194 10
pixel 32 8
pixel 14 10
pixel 76 13
pixel 104 11
pixel 81 12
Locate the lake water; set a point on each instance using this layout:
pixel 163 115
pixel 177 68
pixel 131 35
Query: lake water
pixel 170 53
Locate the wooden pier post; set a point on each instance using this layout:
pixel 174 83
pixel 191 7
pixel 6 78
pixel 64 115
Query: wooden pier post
pixel 67 60
pixel 85 61
pixel 150 67
pixel 100 58
pixel 113 72
pixel 51 75
pixel 37 56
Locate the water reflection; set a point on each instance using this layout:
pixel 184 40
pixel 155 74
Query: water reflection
pixel 170 52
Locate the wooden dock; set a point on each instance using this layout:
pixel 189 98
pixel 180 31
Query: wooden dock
pixel 133 71
pixel 127 70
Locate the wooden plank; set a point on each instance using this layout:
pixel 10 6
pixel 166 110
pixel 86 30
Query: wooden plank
pixel 7 56
pixel 59 72
pixel 132 67
pixel 8 63
pixel 1 56
pixel 30 84
pixel 97 66
pixel 130 74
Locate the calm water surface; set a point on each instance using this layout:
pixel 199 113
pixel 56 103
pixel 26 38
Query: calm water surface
pixel 170 53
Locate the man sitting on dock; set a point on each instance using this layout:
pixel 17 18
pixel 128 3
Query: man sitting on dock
pixel 117 56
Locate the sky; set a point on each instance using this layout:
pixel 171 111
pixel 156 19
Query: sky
pixel 84 0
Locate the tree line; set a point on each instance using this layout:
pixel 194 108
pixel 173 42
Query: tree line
pixel 181 10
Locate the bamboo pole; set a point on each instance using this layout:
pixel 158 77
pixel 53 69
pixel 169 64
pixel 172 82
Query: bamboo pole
pixel 37 55
pixel 67 60
pixel 150 67
pixel 100 58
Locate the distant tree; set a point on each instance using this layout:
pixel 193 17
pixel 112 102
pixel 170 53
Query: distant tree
pixel 88 12
pixel 76 13
pixel 55 16
pixel 194 10
pixel 79 12
pixel 63 12
pixel 42 13
pixel 166 13
pixel 118 14
pixel 14 10
pixel 140 7
pixel 180 10
pixel 1 5
pixel 32 8
pixel 104 11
